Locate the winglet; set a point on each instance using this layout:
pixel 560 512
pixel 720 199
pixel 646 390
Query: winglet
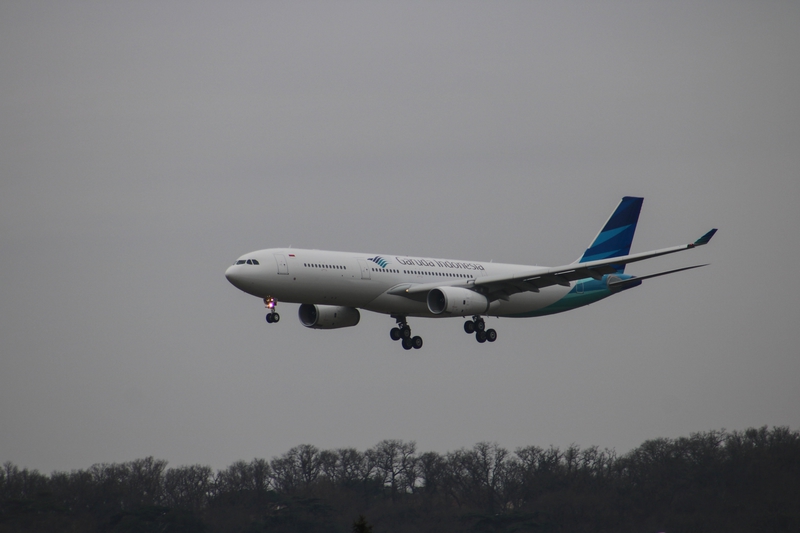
pixel 705 238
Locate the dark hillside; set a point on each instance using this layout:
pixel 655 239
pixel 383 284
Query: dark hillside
pixel 707 482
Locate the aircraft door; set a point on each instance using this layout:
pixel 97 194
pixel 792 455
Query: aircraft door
pixel 364 269
pixel 283 267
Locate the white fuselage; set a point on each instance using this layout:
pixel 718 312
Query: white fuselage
pixel 362 280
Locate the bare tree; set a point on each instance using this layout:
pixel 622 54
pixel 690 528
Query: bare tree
pixel 479 475
pixel 146 479
pixel 308 463
pixel 285 476
pixel 188 487
pixel 395 464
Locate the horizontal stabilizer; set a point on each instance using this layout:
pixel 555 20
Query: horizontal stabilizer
pixel 637 280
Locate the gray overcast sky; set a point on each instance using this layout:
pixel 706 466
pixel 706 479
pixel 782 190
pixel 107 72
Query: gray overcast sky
pixel 145 145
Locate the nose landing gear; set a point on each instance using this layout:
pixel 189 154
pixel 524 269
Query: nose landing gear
pixel 403 332
pixel 478 327
pixel 272 304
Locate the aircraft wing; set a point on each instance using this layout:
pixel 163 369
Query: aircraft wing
pixel 503 286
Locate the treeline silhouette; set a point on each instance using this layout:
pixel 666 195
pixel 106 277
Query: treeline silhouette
pixel 740 481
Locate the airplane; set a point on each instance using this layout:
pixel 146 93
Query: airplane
pixel 331 287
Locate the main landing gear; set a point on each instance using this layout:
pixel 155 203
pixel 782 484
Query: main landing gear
pixel 478 327
pixel 403 332
pixel 272 316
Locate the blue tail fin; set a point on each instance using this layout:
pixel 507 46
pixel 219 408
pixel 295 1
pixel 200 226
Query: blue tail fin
pixel 615 239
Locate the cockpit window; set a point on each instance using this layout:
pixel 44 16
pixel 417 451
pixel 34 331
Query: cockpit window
pixel 240 262
pixel 255 262
pixel 249 261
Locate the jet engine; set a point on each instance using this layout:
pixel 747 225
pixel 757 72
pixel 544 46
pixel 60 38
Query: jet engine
pixel 456 301
pixel 328 316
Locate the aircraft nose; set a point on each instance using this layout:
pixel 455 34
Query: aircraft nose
pixel 233 275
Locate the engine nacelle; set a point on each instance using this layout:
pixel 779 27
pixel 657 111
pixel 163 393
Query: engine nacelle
pixel 328 316
pixel 456 301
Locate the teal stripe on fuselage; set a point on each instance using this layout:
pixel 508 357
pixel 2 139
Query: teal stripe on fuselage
pixel 593 291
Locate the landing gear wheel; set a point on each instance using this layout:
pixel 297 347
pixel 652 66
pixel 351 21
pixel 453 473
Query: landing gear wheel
pixel 403 333
pixel 491 335
pixel 480 336
pixel 480 325
pixel 273 315
pixel 469 326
